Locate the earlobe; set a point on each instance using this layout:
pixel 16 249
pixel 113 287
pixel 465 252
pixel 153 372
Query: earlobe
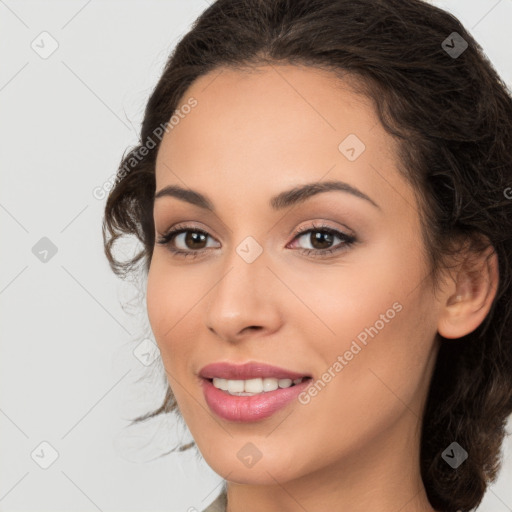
pixel 471 298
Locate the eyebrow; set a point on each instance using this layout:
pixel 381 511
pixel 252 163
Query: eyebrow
pixel 282 200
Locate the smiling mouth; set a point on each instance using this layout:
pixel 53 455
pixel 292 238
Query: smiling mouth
pixel 255 386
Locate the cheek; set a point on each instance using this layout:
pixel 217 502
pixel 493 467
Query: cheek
pixel 378 318
pixel 170 299
pixel 367 288
pixel 158 299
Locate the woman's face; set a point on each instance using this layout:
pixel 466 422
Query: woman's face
pixel 360 320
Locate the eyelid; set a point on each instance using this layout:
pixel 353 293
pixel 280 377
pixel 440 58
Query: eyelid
pixel 185 226
pixel 323 224
pixel 180 228
pixel 347 241
pixel 347 237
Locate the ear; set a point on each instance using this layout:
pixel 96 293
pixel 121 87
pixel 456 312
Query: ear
pixel 470 298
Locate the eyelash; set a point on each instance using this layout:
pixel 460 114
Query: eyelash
pixel 348 241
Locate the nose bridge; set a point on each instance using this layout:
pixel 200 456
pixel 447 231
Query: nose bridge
pixel 240 298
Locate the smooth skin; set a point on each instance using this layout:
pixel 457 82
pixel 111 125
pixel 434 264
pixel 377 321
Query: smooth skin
pixel 253 134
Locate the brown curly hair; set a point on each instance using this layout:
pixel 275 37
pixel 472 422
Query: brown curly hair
pixel 452 118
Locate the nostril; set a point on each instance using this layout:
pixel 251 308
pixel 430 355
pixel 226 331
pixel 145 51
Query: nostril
pixel 254 327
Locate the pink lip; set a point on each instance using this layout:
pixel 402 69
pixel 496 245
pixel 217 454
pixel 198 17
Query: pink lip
pixel 247 371
pixel 248 408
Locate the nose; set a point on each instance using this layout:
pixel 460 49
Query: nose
pixel 244 301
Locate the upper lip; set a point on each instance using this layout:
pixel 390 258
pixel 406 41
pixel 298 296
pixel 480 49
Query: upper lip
pixel 252 370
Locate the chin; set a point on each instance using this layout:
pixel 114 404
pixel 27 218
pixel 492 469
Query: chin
pixel 259 474
pixel 241 463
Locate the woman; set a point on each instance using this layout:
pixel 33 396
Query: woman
pixel 322 193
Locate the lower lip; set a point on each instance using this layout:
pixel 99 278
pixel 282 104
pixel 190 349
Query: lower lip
pixel 249 408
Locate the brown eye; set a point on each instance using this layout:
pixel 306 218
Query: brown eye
pixel 192 242
pixel 321 239
pixel 186 241
pixel 194 239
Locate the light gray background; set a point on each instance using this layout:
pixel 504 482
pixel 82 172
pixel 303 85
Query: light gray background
pixel 67 368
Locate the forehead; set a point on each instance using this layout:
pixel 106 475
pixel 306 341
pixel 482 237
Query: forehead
pixel 275 126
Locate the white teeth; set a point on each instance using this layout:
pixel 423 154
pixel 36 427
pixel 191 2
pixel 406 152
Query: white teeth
pixel 250 385
pixel 236 386
pixel 221 384
pixel 253 386
pixel 270 384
